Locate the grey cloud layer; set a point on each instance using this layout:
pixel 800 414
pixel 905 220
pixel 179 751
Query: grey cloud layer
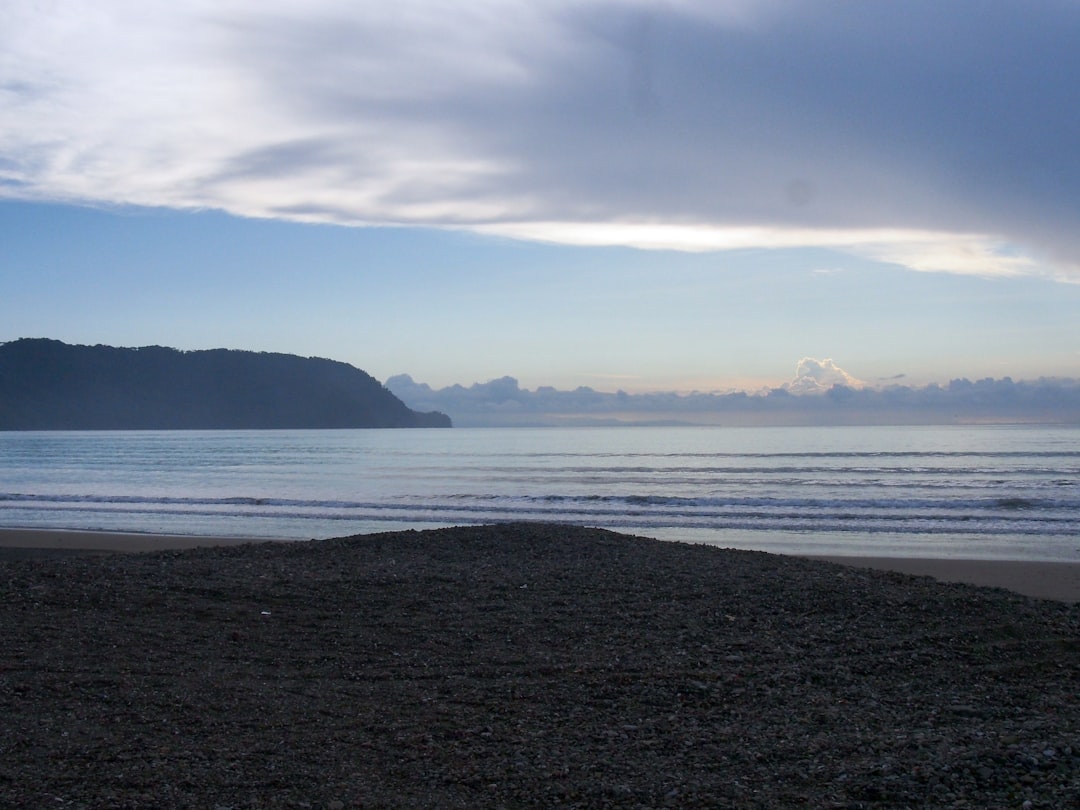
pixel 503 402
pixel 956 119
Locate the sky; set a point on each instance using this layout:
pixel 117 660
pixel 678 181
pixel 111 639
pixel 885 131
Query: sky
pixel 622 194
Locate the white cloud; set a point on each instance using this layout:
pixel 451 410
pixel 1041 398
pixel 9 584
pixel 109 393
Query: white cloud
pixel 686 125
pixel 818 376
pixel 967 254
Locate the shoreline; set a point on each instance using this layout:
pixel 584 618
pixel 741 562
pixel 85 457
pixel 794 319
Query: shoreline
pixel 1054 580
pixel 1057 580
pixel 76 541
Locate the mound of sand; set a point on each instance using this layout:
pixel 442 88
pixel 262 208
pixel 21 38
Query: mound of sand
pixel 525 665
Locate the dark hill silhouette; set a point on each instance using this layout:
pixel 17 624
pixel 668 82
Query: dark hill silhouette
pixel 49 385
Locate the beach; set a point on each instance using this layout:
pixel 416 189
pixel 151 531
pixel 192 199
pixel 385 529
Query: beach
pixel 527 665
pixel 42 542
pixel 1043 580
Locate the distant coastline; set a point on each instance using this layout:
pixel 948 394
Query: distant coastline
pixel 50 385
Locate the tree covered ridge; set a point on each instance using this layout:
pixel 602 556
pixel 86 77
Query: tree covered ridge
pixel 49 385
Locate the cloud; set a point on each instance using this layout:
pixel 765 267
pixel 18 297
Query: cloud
pixel 824 395
pixel 818 376
pixel 689 124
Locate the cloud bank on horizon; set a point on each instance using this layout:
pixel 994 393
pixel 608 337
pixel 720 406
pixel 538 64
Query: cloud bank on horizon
pixel 939 136
pixel 820 393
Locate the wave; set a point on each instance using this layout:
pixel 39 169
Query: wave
pixel 837 454
pixel 925 482
pixel 947 502
pixel 991 515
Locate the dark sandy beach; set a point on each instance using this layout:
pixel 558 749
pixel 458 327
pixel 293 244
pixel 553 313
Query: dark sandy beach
pixel 524 665
pixel 1043 580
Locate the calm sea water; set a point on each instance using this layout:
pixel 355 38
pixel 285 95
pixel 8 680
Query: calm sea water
pixel 992 492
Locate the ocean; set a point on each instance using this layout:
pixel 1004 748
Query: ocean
pixel 978 492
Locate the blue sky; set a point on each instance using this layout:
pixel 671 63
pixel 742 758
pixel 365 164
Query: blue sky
pixel 624 194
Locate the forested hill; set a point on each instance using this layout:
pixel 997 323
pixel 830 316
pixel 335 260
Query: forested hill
pixel 49 385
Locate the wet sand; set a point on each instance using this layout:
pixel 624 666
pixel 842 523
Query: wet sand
pixel 1044 580
pixel 63 541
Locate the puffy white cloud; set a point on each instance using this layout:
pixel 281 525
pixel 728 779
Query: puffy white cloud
pixel 690 124
pixel 818 376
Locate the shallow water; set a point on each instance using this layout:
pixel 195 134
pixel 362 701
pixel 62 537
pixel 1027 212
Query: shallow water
pixel 1004 492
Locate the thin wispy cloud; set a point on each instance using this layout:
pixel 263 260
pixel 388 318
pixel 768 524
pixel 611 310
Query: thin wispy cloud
pixel 938 136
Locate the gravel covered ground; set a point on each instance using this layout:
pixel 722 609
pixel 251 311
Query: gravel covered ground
pixel 525 665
